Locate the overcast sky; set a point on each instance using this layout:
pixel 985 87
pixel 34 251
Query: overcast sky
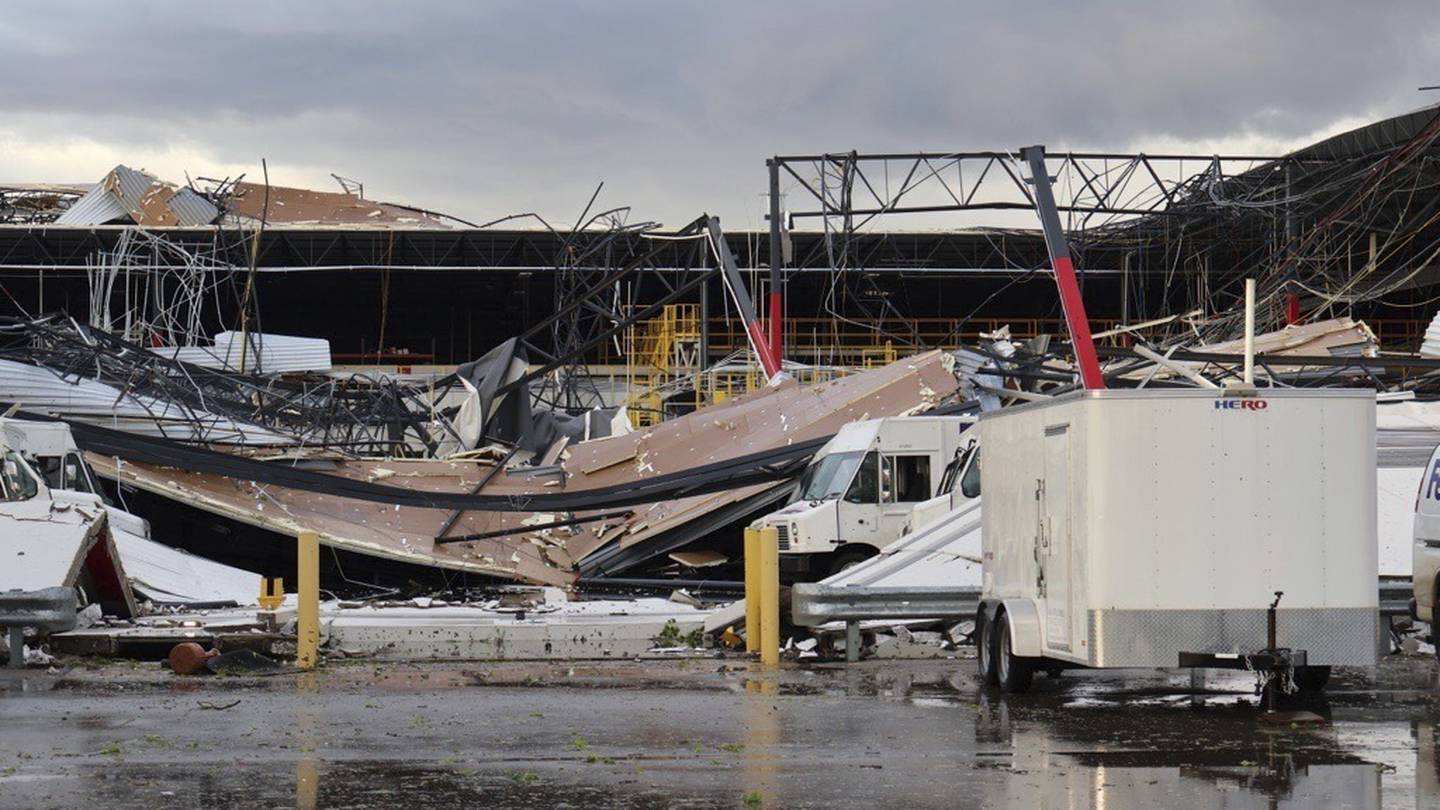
pixel 483 109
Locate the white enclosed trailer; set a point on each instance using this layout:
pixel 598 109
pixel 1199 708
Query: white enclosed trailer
pixel 1128 528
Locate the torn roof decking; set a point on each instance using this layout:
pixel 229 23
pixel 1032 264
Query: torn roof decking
pixel 768 418
pixel 127 195
pixel 300 206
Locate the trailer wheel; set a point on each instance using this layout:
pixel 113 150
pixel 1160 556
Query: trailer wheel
pixel 1312 679
pixel 985 651
pixel 1014 674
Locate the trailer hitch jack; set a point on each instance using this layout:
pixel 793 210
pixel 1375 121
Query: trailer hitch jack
pixel 1275 665
pixel 1270 622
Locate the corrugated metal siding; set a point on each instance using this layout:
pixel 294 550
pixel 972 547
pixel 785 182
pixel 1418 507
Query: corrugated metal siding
pixel 1431 346
pixel 276 354
pixel 120 193
pixel 192 209
pixel 102 204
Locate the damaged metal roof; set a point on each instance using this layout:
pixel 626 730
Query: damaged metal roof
pixel 771 417
pixel 127 195
pixel 298 206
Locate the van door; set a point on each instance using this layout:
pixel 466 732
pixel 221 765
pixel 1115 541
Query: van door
pixel 1053 536
pixel 904 482
pixel 858 511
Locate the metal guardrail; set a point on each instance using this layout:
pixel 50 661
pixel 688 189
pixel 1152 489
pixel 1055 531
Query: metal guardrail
pixel 1395 596
pixel 815 604
pixel 50 609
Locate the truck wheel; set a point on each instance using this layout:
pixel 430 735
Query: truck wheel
pixel 848 559
pixel 1312 679
pixel 1014 674
pixel 985 652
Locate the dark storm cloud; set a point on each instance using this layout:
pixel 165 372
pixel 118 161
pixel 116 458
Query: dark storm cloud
pixel 488 108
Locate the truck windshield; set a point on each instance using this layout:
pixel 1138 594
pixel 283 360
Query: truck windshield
pixel 16 482
pixel 830 476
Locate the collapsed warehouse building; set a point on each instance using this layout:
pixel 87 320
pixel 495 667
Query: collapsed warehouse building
pixel 629 351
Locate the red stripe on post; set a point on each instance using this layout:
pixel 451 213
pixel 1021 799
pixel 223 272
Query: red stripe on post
pixel 1079 327
pixel 762 349
pixel 776 321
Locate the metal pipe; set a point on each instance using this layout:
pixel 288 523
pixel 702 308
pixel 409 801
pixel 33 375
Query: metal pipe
pixel 534 527
pixel 484 479
pixel 1174 365
pixel 753 330
pixel 661 583
pixel 1249 331
pixel 777 256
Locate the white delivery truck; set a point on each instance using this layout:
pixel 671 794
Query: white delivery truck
pixel 1160 528
pixel 857 495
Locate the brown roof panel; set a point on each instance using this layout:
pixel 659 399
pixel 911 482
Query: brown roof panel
pixel 771 417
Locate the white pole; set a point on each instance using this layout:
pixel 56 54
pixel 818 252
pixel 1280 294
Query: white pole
pixel 1249 331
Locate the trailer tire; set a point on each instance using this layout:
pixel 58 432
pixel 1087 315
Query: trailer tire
pixel 1014 674
pixel 985 651
pixel 1312 679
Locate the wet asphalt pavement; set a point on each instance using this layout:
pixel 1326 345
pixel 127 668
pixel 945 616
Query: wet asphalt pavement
pixel 705 733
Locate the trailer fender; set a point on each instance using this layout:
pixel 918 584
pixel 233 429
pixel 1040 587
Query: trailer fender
pixel 1024 627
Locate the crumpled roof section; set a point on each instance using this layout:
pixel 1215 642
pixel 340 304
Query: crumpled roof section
pixel 125 195
pixel 299 206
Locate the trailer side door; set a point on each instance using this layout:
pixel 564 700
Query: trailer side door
pixel 1053 546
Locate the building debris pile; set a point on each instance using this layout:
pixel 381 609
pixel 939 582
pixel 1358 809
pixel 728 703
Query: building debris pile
pixel 546 533
pixel 59 366
pixel 610 439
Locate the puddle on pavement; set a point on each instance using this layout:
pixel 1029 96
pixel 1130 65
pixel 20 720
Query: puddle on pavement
pixel 309 785
pixel 1195 787
pixel 1027 778
pixel 1151 739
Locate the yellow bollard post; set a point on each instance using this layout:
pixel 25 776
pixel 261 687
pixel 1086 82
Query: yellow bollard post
pixel 769 543
pixel 307 616
pixel 752 590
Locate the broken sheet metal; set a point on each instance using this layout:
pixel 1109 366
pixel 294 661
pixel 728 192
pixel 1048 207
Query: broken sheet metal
pixel 125 195
pixel 172 576
pixel 1337 337
pixel 47 542
pixel 262 353
pixel 490 413
pixel 773 417
pixel 162 574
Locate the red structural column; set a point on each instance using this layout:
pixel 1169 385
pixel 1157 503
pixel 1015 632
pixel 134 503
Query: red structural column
pixel 1070 301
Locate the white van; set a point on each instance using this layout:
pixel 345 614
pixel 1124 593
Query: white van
pixel 1425 554
pixel 859 492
